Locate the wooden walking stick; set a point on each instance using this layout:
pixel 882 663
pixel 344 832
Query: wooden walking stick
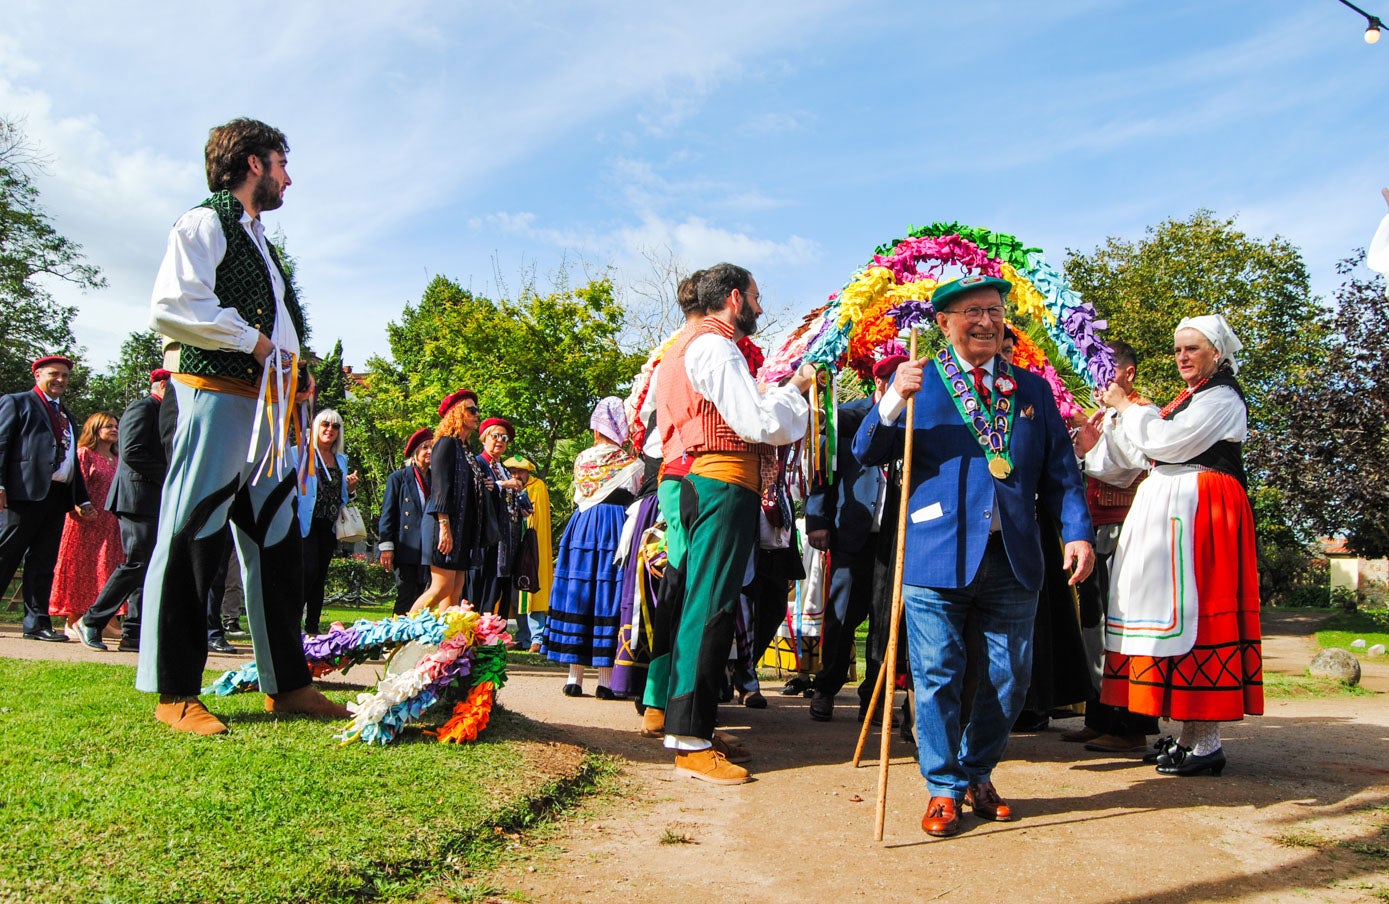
pixel 887 675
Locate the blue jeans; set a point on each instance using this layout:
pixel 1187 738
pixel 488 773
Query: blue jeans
pixel 952 758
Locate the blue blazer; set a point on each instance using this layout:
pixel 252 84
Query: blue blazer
pixel 954 499
pixel 27 449
pixel 309 498
pixel 401 511
pixel 845 507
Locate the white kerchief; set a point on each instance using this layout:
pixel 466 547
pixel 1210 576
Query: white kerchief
pixel 1217 330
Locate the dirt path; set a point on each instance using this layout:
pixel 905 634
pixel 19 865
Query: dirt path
pixel 1093 828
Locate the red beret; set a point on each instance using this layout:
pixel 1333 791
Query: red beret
pixel 422 435
pixel 497 422
pixel 159 375
pixel 50 359
pixel 888 366
pixel 451 400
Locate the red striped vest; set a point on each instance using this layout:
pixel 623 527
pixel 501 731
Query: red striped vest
pixel 689 423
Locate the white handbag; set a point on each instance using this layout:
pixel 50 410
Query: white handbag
pixel 350 528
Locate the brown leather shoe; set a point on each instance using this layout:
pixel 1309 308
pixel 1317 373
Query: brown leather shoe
pixel 708 765
pixel 983 798
pixel 653 723
pixel 188 714
pixel 1118 744
pixel 942 817
pixel 305 701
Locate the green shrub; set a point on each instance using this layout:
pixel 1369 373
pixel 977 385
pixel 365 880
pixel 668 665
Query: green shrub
pixel 1306 597
pixel 359 574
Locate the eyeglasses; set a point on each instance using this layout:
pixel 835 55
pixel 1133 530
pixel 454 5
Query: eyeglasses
pixel 979 315
pixel 333 426
pixel 470 409
pixel 499 438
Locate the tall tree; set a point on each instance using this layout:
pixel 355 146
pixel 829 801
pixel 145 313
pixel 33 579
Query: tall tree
pixel 32 250
pixel 1206 265
pixel 542 361
pixel 1331 455
pixel 126 381
pixel 332 387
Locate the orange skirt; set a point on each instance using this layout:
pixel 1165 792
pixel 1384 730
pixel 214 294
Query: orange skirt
pixel 1221 679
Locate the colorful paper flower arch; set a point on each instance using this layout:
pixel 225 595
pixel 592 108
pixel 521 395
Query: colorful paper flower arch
pixel 893 291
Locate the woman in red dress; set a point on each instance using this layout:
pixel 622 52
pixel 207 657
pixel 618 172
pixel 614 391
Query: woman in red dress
pixel 90 550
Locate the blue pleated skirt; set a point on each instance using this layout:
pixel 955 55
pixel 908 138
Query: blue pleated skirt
pixel 582 625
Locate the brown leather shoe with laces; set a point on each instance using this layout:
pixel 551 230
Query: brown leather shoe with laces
pixel 983 798
pixel 653 723
pixel 708 765
pixel 942 817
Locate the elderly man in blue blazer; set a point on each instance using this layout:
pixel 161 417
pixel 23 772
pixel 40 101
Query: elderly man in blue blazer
pixel 40 483
pixel 988 440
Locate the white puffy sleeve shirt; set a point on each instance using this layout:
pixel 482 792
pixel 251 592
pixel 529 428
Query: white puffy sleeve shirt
pixel 719 372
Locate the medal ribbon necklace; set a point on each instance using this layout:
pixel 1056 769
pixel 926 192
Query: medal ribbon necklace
pixel 992 428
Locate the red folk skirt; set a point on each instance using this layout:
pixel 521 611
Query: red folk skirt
pixel 1221 679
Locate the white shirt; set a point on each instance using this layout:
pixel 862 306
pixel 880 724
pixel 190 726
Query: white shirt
pixel 719 372
pixel 184 305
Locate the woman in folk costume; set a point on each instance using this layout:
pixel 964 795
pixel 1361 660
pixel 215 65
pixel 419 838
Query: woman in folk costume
pixel 581 629
pixel 532 605
pixel 453 532
pixel 1183 636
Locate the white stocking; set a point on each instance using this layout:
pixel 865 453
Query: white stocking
pixel 576 674
pixel 605 677
pixel 1202 737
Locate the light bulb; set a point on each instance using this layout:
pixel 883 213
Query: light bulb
pixel 1372 35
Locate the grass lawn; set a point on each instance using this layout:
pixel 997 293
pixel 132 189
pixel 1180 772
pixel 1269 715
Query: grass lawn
pixel 1304 687
pixel 1370 624
pixel 101 803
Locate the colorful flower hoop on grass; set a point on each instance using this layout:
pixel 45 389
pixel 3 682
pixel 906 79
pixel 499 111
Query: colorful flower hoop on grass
pixel 466 662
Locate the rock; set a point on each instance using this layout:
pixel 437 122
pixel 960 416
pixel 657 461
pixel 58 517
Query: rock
pixel 1358 643
pixel 1338 664
pixel 1377 650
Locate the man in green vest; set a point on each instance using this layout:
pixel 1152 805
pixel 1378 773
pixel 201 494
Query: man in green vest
pixel 232 328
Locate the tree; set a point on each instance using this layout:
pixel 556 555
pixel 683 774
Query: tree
pixel 332 387
pixel 1331 455
pixel 31 249
pixel 542 361
pixel 1205 265
pixel 126 381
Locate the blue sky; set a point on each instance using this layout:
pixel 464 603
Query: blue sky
pixel 487 140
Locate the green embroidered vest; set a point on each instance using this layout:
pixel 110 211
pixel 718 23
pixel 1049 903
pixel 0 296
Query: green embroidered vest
pixel 243 282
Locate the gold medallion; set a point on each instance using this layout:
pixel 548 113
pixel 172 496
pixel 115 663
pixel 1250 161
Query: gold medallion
pixel 1000 468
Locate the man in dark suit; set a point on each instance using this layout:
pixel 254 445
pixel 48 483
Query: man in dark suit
pixel 40 483
pixel 849 518
pixel 134 499
pixel 987 441
pixel 407 491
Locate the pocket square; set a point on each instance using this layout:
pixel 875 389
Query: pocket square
pixel 1027 412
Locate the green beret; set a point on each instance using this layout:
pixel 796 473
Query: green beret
pixel 948 292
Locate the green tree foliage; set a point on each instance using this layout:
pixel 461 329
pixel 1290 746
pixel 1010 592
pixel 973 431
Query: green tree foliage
pixel 332 387
pixel 31 250
pixel 1331 458
pixel 1206 265
pixel 126 381
pixel 542 361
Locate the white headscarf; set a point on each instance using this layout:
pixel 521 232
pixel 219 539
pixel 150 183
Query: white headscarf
pixel 1214 328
